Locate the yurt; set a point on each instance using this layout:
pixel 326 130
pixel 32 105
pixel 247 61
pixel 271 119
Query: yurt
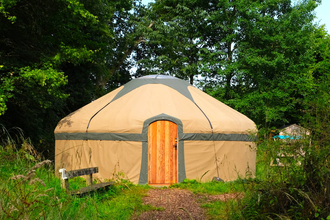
pixel 157 129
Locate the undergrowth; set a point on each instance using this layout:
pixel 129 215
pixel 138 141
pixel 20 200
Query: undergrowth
pixel 30 190
pixel 299 189
pixel 295 190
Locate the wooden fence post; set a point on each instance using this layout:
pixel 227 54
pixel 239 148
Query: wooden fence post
pixel 65 184
pixel 64 180
pixel 90 180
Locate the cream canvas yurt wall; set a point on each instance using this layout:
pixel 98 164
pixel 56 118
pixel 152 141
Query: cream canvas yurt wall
pixel 112 132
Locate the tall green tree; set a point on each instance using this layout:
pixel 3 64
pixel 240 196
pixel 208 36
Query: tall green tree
pixel 270 73
pixel 305 183
pixel 53 57
pixel 317 101
pixel 253 55
pixel 175 46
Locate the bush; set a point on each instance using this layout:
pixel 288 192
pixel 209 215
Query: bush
pixel 300 188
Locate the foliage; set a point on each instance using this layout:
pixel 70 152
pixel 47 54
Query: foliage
pixel 299 190
pixel 176 45
pixel 54 55
pixel 222 210
pixel 57 56
pixel 293 191
pixel 298 187
pixel 252 55
pixel 267 76
pixel 29 189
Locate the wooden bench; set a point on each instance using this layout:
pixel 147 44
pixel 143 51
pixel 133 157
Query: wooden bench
pixel 66 175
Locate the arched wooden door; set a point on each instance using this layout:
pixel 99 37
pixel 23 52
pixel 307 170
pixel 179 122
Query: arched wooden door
pixel 162 152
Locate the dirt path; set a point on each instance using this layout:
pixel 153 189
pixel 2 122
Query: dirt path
pixel 178 204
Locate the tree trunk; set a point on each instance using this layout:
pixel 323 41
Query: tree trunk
pixel 191 79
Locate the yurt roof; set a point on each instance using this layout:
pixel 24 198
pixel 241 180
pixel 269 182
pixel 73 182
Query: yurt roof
pixel 126 109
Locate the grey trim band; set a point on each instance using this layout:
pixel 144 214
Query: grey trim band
pixel 204 115
pixel 101 136
pixel 144 136
pixel 216 137
pixel 181 162
pixel 143 179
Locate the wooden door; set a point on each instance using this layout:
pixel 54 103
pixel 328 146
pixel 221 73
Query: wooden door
pixel 162 152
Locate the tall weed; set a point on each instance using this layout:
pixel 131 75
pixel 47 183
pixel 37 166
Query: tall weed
pixel 30 190
pixel 295 189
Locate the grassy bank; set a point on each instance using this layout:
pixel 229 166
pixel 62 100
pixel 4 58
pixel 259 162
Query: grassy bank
pixel 30 190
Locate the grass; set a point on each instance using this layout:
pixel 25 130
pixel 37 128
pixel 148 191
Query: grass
pixel 219 209
pixel 30 190
pixel 211 188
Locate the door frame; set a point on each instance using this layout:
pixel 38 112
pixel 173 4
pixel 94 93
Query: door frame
pixel 144 163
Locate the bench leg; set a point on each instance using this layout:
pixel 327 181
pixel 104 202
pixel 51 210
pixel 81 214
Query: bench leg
pixel 65 184
pixel 90 180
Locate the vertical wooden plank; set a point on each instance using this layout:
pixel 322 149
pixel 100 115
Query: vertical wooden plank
pixel 150 161
pixel 167 152
pixel 157 151
pixel 171 151
pixel 174 136
pixel 161 155
pixel 154 153
pixel 171 147
pixel 175 165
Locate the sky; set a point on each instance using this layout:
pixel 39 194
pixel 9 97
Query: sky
pixel 322 13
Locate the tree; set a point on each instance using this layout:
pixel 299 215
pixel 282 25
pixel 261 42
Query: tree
pixel 252 55
pixel 271 74
pixel 53 56
pixel 317 102
pixel 176 45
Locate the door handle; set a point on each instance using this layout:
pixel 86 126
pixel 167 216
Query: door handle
pixel 175 144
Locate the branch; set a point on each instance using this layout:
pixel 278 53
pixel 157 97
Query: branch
pixel 127 53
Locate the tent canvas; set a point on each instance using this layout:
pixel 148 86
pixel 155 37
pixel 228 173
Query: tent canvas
pixel 112 133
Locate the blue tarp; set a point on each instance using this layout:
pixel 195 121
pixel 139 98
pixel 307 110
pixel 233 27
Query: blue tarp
pixel 287 137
